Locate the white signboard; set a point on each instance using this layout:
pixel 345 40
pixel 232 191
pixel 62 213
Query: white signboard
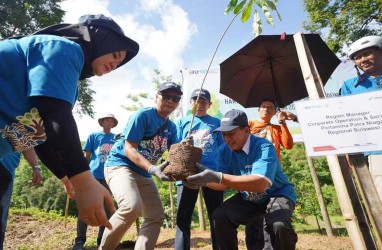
pixel 340 125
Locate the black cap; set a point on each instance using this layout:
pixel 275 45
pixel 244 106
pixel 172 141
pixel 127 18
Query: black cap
pixel 233 119
pixel 203 94
pixel 167 86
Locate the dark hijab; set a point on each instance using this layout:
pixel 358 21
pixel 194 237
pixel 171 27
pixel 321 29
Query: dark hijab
pixel 97 35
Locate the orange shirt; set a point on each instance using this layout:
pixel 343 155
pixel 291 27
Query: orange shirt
pixel 277 134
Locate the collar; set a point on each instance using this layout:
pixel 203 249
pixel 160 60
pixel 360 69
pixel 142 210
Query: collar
pixel 246 145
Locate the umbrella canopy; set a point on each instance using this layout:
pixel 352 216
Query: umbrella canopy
pixel 268 68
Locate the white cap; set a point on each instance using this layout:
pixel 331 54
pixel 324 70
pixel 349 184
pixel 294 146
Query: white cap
pixel 363 43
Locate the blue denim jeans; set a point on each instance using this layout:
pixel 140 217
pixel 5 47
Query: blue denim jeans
pixel 6 187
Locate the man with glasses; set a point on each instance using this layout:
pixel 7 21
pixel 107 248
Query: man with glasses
pixel 367 56
pixel 204 138
pixel 130 165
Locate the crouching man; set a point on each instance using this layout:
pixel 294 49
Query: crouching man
pixel 250 165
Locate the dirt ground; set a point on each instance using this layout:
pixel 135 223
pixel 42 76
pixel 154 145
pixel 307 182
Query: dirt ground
pixel 27 232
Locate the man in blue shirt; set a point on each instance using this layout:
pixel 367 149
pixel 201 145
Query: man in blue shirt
pixel 250 165
pixel 204 138
pixel 96 149
pixel 367 56
pixel 130 165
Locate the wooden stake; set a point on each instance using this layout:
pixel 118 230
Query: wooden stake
pixel 66 210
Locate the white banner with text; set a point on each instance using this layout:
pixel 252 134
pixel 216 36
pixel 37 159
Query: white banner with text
pixel 347 124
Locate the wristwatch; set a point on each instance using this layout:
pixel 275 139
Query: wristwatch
pixel 37 167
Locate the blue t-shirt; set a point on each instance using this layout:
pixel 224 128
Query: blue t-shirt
pixel 98 144
pixel 143 123
pixel 39 65
pixel 262 161
pixel 203 136
pixel 11 162
pixel 369 84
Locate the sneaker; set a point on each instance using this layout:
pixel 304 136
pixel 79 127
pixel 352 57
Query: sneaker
pixel 78 246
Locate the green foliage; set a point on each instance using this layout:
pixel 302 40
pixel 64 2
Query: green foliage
pixel 343 21
pixel 84 104
pixel 295 166
pixel 25 17
pixel 245 6
pixel 50 196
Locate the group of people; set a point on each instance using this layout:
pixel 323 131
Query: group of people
pixel 237 153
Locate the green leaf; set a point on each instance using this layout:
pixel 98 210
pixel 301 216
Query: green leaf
pixel 267 15
pixel 271 5
pixel 247 12
pixel 231 6
pixel 239 7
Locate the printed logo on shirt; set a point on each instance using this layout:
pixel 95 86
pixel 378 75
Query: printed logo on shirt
pixel 153 149
pixel 203 139
pixel 27 133
pixel 251 196
pixel 103 151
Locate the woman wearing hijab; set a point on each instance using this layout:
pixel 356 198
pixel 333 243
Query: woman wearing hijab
pixel 39 85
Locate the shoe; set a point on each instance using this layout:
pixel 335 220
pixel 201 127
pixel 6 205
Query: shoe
pixel 78 246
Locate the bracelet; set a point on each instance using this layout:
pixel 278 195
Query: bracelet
pixel 36 167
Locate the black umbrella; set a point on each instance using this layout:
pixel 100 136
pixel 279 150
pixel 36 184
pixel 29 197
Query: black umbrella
pixel 268 68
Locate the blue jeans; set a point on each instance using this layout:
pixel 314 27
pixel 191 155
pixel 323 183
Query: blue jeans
pixel 186 199
pixel 274 230
pixel 83 227
pixel 6 187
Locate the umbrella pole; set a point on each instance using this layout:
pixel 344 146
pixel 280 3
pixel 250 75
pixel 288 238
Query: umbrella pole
pixel 66 211
pixel 274 85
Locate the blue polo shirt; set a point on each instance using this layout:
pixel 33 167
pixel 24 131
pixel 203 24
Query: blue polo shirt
pixel 259 158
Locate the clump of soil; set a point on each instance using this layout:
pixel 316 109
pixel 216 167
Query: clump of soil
pixel 182 158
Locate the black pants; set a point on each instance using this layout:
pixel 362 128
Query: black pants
pixel 186 199
pixel 234 212
pixel 274 230
pixel 6 186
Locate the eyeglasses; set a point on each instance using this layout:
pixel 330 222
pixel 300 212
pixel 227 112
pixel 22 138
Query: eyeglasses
pixel 166 97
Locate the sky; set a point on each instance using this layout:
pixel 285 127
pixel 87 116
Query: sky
pixel 173 35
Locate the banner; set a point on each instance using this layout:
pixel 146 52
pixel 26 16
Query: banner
pixel 347 124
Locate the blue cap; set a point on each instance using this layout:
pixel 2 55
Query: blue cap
pixel 203 94
pixel 167 86
pixel 233 119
